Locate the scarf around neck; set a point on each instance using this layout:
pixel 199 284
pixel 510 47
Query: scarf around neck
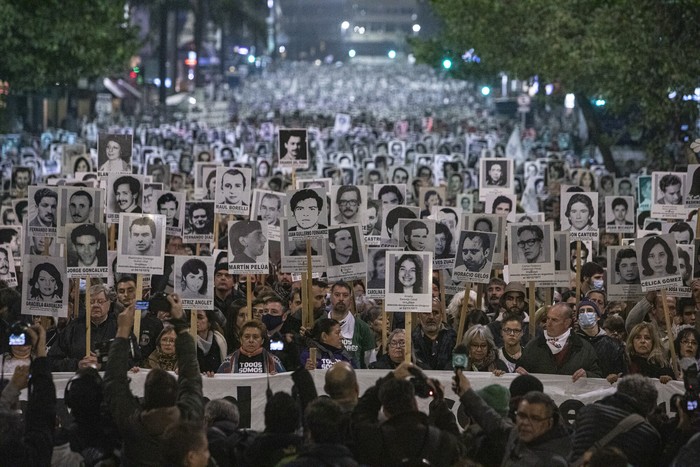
pixel 556 344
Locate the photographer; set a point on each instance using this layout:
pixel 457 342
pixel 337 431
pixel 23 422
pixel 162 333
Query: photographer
pixel 407 436
pixel 29 442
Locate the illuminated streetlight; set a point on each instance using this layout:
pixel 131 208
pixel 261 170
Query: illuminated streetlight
pixel 251 58
pixel 351 53
pixel 485 90
pixel 416 27
pixel 392 54
pixel 344 25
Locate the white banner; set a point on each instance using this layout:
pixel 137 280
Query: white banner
pixel 250 390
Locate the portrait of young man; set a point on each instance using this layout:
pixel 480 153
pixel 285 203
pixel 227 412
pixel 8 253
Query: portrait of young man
pixel 142 237
pixel 126 191
pixel 86 250
pixel 46 201
pixel 343 246
pixel 292 146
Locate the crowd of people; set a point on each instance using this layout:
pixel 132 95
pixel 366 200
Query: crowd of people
pixel 428 163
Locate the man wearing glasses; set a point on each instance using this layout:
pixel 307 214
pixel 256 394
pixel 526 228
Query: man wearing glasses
pixel 530 244
pixel 512 304
pixel 512 350
pixel 68 353
pixel 348 200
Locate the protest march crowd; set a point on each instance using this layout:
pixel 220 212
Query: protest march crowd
pixel 348 219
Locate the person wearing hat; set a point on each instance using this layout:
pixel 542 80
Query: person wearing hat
pixel 559 351
pixel 480 448
pixel 513 302
pixel 247 241
pixel 611 353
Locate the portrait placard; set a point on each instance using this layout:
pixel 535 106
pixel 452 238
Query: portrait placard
pixel 562 274
pixel 623 274
pixel 416 234
pixel 408 281
pixel 77 205
pixel 248 247
pixel 345 253
pixel 194 278
pixel 124 195
pixel 199 222
pixel 376 270
pixel 447 226
pixel 267 207
pixel 12 238
pixel 294 251
pixel 307 212
pixel 400 176
pixel 170 204
pixel 466 202
pixel 489 223
pixel 686 253
pixel 389 194
pixel 658 260
pixel 348 205
pixel 233 191
pixel 683 232
pixel 667 191
pixel 114 154
pixel 495 177
pixel 42 210
pixel 619 214
pixel 205 180
pixel 293 148
pixel 692 187
pixel 80 163
pixel 390 218
pixel 7 266
pixel 579 215
pixel 503 205
pixel 644 196
pixel 86 250
pixel 624 187
pixel 531 251
pixel 141 243
pixel 429 197
pixel 474 256
pixel 44 289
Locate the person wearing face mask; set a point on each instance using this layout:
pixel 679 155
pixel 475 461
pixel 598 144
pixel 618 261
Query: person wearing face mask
pixel 611 353
pixel 592 278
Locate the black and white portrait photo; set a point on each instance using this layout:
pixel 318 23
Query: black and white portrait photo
pixel 44 287
pixel 307 212
pixel 430 197
pixel 349 202
pixel 199 221
pixel 531 251
pixel 78 205
pixel 248 247
pixel 619 214
pixel 407 281
pixel 141 243
pixel 233 190
pixel 268 207
pixel 294 249
pixel 171 205
pixel 579 215
pixel 43 208
pixel 390 219
pixel 502 205
pixel 417 235
pixel 114 153
pixel 124 195
pixel 495 177
pixel 658 262
pixel 293 148
pixel 623 276
pixel 345 253
pixel 86 250
pixel 22 177
pixel 489 223
pixel 474 256
pixel 8 273
pixel 692 188
pixel 193 281
pixel 667 189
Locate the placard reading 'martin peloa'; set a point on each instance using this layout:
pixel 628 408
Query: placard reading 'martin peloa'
pixel 407 281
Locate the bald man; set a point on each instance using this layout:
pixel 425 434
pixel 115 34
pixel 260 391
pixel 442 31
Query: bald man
pixel 341 386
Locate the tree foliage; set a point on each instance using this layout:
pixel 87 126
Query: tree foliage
pixel 50 41
pixel 632 53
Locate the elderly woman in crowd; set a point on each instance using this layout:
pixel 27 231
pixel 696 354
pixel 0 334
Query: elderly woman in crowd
pixel 164 356
pixel 483 354
pixel 252 357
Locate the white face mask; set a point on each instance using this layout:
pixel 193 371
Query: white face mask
pixel 598 284
pixel 587 319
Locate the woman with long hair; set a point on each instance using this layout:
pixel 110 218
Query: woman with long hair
pixel 211 345
pixel 657 258
pixel 408 272
pixel 647 355
pixel 193 280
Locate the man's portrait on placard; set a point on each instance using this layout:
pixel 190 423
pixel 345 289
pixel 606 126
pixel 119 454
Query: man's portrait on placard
pixel 126 193
pixel 475 252
pixel 578 212
pixel 529 244
pixel 466 202
pixel 293 149
pixel 626 266
pixel 349 201
pixel 308 210
pixel 685 263
pixel 143 238
pixel 114 153
pixel 233 190
pixel 172 206
pixel 44 209
pixel 344 246
pixel 87 245
pixel 40 245
pixel 668 188
pixel 618 212
pixel 417 235
pixel 7 266
pixel 199 218
pixel 494 172
pixel 267 207
pixel 390 195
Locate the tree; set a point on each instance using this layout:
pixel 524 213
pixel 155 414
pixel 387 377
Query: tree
pixel 45 42
pixel 632 53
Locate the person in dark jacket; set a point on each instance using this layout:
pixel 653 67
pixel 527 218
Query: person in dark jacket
pixel 166 400
pixel 611 353
pixel 31 443
pixel 222 418
pixel 642 443
pixel 538 436
pixel 325 437
pixel 433 341
pixel 560 351
pixel 406 435
pixel 328 344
